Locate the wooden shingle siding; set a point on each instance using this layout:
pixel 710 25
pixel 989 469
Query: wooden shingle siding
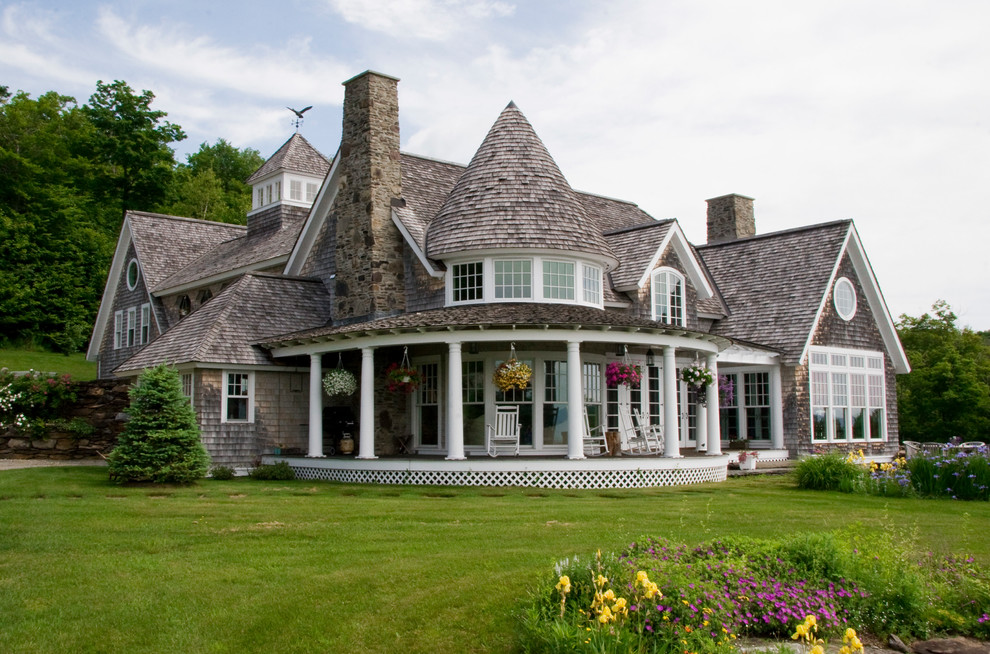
pixel 124 299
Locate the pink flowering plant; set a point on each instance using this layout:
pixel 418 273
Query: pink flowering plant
pixel 618 373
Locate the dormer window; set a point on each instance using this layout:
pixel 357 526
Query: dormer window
pixel 468 282
pixel 558 280
pixel 668 296
pixel 513 279
pixel 311 190
pixel 295 189
pixel 525 279
pixel 592 284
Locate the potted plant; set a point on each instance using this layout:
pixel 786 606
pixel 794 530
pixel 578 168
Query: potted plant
pixel 747 460
pixel 512 374
pixel 339 382
pixel 402 378
pixel 619 372
pixel 697 375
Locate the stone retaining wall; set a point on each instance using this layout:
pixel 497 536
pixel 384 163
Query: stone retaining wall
pixel 100 403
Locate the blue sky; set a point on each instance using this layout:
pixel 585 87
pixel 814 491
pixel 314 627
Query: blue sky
pixel 877 111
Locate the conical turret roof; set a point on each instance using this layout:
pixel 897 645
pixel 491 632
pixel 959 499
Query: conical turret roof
pixel 513 195
pixel 295 155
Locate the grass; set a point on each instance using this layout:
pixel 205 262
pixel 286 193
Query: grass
pixel 75 365
pixel 248 566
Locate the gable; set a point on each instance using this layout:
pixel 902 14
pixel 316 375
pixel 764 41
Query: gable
pixel 641 248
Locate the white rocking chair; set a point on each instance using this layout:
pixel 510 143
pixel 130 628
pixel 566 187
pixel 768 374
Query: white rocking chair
pixel 505 433
pixel 652 435
pixel 595 443
pixel 630 438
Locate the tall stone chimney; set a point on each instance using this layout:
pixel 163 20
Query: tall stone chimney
pixel 369 280
pixel 730 217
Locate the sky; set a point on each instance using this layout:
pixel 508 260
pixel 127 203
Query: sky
pixel 878 111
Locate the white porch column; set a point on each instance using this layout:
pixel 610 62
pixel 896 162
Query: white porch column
pixel 714 423
pixel 575 402
pixel 671 432
pixel 455 404
pixel 315 405
pixel 366 444
pixel 701 424
pixel 776 410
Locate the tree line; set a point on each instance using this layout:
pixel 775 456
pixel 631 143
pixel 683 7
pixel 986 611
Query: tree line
pixel 68 172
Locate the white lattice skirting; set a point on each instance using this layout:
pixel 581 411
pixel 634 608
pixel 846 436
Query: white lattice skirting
pixel 544 473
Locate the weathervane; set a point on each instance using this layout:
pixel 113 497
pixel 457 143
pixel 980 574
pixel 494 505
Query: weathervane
pixel 299 116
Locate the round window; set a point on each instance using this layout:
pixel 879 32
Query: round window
pixel 845 298
pixel 133 274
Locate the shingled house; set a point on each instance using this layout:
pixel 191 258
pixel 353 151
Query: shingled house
pixel 377 257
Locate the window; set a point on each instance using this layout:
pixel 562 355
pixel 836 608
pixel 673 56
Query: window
pixel 847 395
pixel 278 191
pixel 145 323
pixel 513 279
pixel 237 392
pixel 593 393
pixel 468 282
pixel 119 330
pixel 554 402
pixel 311 189
pixel 268 194
pixel 668 297
pixel 473 397
pixel 757 396
pixel 558 280
pixel 428 404
pixel 592 282
pixel 845 298
pixel 204 296
pixel 187 385
pixel 295 189
pixel 261 197
pixel 131 326
pixel 133 274
pixel 185 306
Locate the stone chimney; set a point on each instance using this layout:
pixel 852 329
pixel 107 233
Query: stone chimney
pixel 370 277
pixel 730 217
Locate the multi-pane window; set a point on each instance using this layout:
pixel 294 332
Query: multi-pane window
pixel 131 325
pixel 187 386
pixel 513 279
pixel 133 274
pixel 428 403
pixel 261 197
pixel 295 189
pixel 593 393
pixel 311 189
pixel 554 402
pixel 468 282
pixel 145 323
pixel 473 400
pixel 278 191
pixel 237 396
pixel 592 283
pixel 847 395
pixel 119 330
pixel 845 298
pixel 747 414
pixel 558 280
pixel 668 297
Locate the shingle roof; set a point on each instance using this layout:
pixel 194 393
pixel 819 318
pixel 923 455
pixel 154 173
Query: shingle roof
pixel 773 284
pixel 295 155
pixel 238 253
pixel 486 316
pixel 512 194
pixel 224 329
pixel 167 243
pixel 636 247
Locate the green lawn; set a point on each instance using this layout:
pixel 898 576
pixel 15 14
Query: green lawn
pixel 247 566
pixel 73 364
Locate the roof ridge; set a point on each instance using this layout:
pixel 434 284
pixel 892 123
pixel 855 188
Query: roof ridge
pixel 198 221
pixel 783 232
pixel 434 159
pixel 280 276
pixel 656 223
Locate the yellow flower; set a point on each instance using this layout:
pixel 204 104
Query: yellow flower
pixel 564 585
pixel 800 632
pixel 620 603
pixel 845 650
pixel 609 595
pixel 811 621
pixel 606 615
pixel 850 634
pixel 642 578
pixel 817 649
pixel 601 581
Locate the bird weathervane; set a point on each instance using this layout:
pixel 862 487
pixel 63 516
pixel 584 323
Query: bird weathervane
pixel 299 116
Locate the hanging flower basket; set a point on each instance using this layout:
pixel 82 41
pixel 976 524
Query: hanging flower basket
pixel 697 375
pixel 402 378
pixel 512 374
pixel 618 373
pixel 339 382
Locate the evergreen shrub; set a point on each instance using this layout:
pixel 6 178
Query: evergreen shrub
pixel 161 442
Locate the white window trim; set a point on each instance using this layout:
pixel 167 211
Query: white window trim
pixel 536 280
pixel 127 274
pixel 132 327
pixel 738 375
pixel 192 386
pixel 250 397
pixel 847 369
pixel 653 293
pixel 844 281
pixel 118 330
pixel 144 325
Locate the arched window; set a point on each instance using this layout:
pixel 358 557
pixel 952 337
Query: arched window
pixel 133 274
pixel 668 296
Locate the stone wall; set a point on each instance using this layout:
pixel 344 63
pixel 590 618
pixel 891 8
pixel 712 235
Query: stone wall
pixel 100 403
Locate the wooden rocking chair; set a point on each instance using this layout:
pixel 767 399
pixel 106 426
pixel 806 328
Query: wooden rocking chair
pixel 632 440
pixel 504 433
pixel 652 435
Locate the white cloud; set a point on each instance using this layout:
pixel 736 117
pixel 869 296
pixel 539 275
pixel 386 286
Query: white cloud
pixel 431 20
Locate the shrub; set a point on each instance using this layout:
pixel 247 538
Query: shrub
pixel 951 473
pixel 31 401
pixel 161 442
pixel 830 471
pixel 280 471
pixel 222 473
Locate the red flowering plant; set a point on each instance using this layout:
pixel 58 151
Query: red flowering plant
pixel 400 378
pixel 617 373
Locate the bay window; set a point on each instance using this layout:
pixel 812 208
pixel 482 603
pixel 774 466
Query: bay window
pixel 847 395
